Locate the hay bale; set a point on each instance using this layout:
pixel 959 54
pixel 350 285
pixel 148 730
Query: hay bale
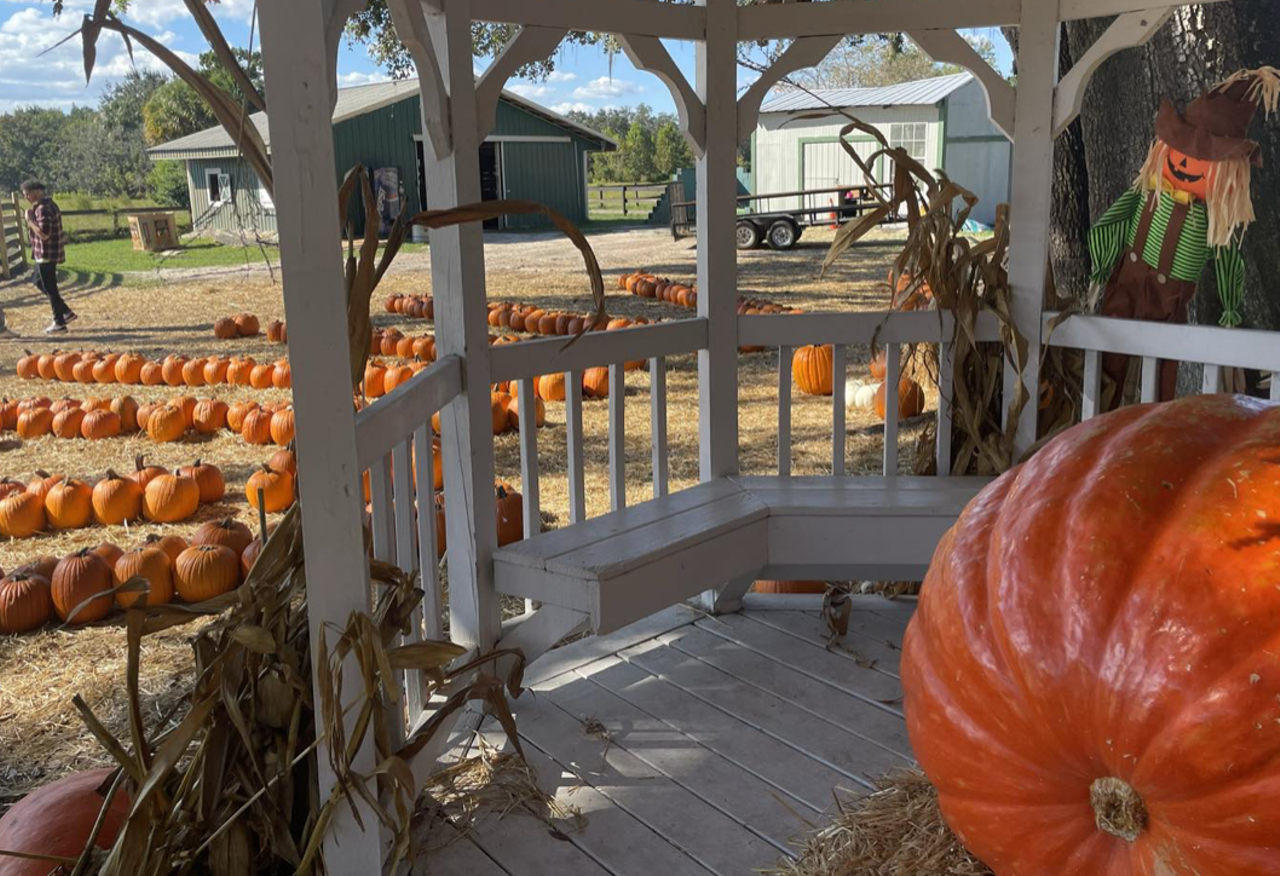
pixel 896 831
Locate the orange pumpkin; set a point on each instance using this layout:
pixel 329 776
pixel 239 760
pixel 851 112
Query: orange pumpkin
pixel 97 425
pixel 284 460
pixel 227 532
pixel 45 366
pixel 129 368
pixel 104 370
pixel 813 369
pixel 82 371
pixel 25 602
pixel 143 473
pixel 394 376
pixel 44 482
pixel 166 423
pixel 261 375
pixel 116 499
pixel 78 587
pixel 171 370
pixel 171 545
pixel 205 571
pixel 513 413
pixel 910 399
pixel 171 499
pixel 34 423
pixel 551 386
pixel 595 382
pixel 257 427
pixel 21 515
pixel 151 374
pixel 209 416
pixel 193 372
pixel 126 409
pixel 246 325
pixel 66 423
pixel 29 366
pixel 237 412
pixel 282 377
pixel 215 370
pixel 58 819
pixel 109 552
pixel 240 371
pixel 208 480
pixel 69 504
pixel 63 364
pixel 1187 174
pixel 224 328
pixel 374 379
pixel 276 487
pixel 1093 662
pixel 153 566
pixel 510 508
pixel 282 428
pixel 275 331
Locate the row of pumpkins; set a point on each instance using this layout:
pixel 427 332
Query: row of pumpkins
pixel 60 502
pixel 102 418
pixel 215 561
pixel 173 370
pixel 813 371
pixel 246 325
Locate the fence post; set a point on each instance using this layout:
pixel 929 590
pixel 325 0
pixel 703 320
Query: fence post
pixel 624 200
pixel 4 246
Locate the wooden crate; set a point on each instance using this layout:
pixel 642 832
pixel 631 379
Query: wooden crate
pixel 153 231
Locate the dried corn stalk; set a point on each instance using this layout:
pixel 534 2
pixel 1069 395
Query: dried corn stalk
pixel 965 279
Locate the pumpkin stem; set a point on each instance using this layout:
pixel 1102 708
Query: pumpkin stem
pixel 1118 808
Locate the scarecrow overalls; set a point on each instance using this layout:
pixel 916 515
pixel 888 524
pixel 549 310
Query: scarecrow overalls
pixel 1150 250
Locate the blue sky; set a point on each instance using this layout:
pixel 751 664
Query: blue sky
pixel 583 79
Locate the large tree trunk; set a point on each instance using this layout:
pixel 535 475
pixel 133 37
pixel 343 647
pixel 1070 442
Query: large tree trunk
pixel 1096 160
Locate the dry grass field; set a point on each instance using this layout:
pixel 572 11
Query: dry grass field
pixel 40 733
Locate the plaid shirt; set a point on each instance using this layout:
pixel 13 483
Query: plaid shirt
pixel 48 218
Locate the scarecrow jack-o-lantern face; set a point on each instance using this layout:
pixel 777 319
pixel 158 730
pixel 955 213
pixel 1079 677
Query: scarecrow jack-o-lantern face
pixel 1187 174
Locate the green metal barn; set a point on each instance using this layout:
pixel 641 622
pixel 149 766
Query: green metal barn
pixel 532 153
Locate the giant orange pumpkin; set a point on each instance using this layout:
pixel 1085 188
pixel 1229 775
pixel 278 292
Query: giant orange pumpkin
pixel 1092 677
pixel 58 819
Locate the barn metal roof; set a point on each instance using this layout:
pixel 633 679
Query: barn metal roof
pixel 920 92
pixel 356 101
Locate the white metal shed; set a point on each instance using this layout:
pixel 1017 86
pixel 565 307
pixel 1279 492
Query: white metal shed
pixel 943 122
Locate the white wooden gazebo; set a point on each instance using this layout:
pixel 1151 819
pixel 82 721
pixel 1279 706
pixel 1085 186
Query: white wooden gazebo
pixel 684 793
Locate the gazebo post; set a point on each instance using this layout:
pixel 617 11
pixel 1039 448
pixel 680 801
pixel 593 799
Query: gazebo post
pixel 1032 194
pixel 717 199
pixel 302 87
pixel 458 285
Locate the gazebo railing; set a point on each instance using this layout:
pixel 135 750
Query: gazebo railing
pixel 1214 348
pixel 891 330
pixel 394 450
pixel 525 362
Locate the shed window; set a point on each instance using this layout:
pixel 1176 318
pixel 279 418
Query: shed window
pixel 218 185
pixel 264 198
pixel 911 137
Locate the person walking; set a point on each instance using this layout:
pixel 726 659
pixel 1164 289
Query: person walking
pixel 48 249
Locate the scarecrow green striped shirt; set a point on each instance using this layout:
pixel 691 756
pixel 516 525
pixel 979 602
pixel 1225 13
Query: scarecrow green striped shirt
pixel 1118 229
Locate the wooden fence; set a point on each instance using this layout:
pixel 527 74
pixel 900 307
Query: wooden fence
pixel 13 240
pixel 625 198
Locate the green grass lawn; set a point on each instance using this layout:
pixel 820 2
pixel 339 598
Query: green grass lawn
pixel 119 256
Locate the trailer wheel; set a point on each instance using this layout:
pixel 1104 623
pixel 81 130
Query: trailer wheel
pixel 747 235
pixel 783 234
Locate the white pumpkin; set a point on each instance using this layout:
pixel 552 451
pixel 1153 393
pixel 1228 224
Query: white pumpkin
pixel 861 396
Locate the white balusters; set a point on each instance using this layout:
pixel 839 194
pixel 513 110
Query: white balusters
pixel 1275 385
pixel 526 410
pixel 573 443
pixel 1091 402
pixel 617 437
pixel 380 498
pixel 785 355
pixel 946 392
pixel 658 425
pixel 1150 378
pixel 892 376
pixel 1212 379
pixel 838 375
pixel 428 549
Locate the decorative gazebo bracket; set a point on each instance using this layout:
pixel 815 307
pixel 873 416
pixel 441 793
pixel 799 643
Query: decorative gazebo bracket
pixel 801 54
pixel 948 47
pixel 411 26
pixel 530 45
pixel 648 53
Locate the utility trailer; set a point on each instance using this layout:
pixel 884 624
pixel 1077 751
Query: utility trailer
pixel 780 229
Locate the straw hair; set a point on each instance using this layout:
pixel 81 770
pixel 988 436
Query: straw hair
pixel 1264 89
pixel 1229 204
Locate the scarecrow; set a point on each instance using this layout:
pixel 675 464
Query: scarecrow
pixel 1190 204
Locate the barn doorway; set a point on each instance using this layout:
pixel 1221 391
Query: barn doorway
pixel 490 177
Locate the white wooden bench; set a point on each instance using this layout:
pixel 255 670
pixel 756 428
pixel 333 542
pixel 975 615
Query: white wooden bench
pixel 630 563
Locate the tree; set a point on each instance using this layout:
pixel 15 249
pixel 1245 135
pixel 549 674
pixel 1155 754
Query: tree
pixel 639 156
pixel 175 110
pixel 881 60
pixel 671 150
pixel 122 102
pixel 102 159
pixel 29 143
pixel 167 184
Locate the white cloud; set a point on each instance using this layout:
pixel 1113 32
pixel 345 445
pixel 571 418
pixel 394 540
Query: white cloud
pixel 528 90
pixel 604 87
pixel 566 108
pixel 158 13
pixel 347 80
pixel 557 76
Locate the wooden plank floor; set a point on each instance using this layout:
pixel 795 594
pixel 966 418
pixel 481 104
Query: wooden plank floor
pixel 692 744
